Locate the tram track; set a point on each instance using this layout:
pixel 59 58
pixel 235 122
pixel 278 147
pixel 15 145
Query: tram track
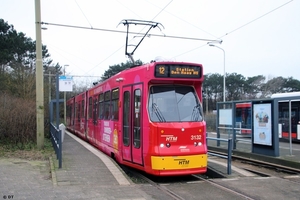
pixel 295 178
pixel 266 169
pixel 237 186
pixel 223 187
pixel 158 186
pixel 196 179
pixel 261 163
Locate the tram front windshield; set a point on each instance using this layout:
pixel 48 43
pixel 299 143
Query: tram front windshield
pixel 174 104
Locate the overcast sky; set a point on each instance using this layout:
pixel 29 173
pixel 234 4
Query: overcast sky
pixel 260 37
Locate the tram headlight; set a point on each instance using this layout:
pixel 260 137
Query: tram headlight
pixel 163 145
pixel 197 144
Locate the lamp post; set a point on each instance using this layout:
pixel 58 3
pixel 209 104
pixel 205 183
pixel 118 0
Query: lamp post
pixel 65 104
pixel 212 45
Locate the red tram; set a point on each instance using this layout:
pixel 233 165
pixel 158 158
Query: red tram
pixel 286 122
pixel 147 117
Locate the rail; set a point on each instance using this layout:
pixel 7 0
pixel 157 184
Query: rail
pixel 229 151
pixel 226 128
pixel 56 138
pixel 238 131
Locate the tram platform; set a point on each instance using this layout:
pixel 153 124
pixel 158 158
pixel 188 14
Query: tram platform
pixel 90 174
pixel 289 154
pixel 87 173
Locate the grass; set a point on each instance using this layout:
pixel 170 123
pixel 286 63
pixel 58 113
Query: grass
pixel 29 152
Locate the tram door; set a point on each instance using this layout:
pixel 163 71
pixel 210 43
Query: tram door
pixel 132 132
pixel 90 129
pixel 95 120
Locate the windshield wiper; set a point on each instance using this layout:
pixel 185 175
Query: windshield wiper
pixel 158 113
pixel 196 113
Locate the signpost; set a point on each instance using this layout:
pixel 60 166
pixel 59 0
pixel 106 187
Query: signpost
pixel 65 85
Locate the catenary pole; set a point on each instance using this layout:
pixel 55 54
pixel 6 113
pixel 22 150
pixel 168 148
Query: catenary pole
pixel 39 79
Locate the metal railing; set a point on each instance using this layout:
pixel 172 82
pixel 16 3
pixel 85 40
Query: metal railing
pixel 56 138
pixel 229 151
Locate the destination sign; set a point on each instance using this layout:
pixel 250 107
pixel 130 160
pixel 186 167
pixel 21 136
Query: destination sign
pixel 178 71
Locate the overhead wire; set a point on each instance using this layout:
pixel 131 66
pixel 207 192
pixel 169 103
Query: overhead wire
pixel 119 47
pixel 59 50
pixel 129 9
pixel 139 32
pixel 256 19
pixel 83 14
pixel 185 21
pixel 238 28
pixel 88 23
pixel 136 33
pixel 162 9
pixel 156 35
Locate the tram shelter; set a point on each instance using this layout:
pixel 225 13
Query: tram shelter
pixel 261 120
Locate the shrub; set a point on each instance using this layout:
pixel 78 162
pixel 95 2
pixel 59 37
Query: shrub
pixel 17 121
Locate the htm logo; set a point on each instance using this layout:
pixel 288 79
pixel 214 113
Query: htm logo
pixel 184 162
pixel 171 139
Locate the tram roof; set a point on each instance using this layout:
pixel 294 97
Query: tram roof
pixel 286 95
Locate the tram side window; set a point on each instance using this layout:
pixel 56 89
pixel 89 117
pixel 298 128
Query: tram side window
pixel 107 105
pixel 69 114
pixel 82 108
pixel 137 119
pixel 126 119
pixel 68 110
pixel 90 107
pixel 115 104
pixel 101 104
pixel 73 114
pixel 78 111
pixel 95 109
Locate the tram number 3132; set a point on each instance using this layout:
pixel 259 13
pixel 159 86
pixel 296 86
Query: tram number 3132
pixel 196 137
